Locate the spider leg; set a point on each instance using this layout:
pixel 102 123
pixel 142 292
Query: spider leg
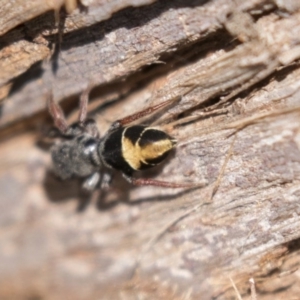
pixel 153 182
pixel 83 104
pixel 89 124
pixel 140 114
pixel 106 181
pixel 57 114
pixel 91 182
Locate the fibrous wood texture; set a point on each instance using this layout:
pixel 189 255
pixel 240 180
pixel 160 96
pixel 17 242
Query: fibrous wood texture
pixel 232 69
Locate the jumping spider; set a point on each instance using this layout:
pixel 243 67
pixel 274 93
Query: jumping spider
pixel 82 153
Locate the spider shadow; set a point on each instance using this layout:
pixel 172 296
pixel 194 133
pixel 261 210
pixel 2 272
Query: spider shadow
pixel 60 191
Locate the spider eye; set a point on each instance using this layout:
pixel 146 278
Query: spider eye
pixel 89 146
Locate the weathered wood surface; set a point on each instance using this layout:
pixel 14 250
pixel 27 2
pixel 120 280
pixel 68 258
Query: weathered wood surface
pixel 236 90
pixel 113 50
pixel 17 12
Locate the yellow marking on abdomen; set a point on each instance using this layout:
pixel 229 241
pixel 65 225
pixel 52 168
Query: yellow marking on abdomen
pixel 155 149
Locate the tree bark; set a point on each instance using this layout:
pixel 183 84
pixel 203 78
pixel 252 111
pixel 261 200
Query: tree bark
pixel 231 69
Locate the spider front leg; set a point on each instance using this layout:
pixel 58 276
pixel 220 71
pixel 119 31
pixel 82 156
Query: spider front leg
pixel 83 104
pixel 57 114
pixel 139 115
pixel 89 124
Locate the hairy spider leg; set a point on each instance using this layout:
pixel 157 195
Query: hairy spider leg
pixel 89 124
pixel 83 104
pixel 57 114
pixel 140 114
pixel 153 182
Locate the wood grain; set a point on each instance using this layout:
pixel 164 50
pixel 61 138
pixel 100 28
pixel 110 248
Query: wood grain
pixel 233 72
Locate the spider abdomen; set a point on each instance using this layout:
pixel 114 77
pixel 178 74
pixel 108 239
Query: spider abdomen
pixel 135 148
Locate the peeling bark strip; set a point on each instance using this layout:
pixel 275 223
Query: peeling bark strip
pixel 232 70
